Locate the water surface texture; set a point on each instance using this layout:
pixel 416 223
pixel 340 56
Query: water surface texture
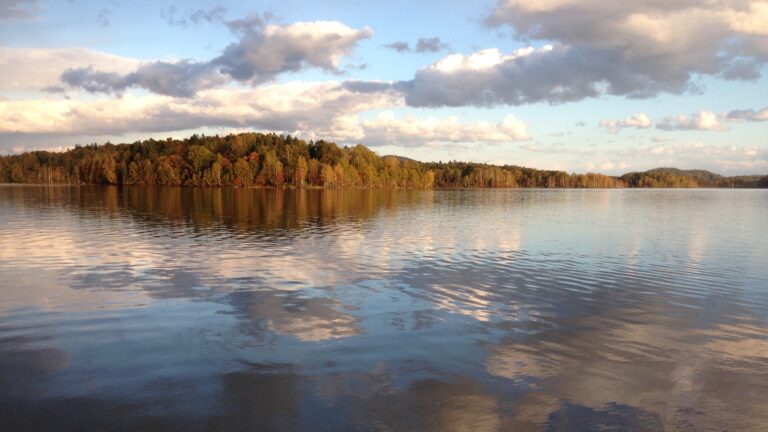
pixel 189 309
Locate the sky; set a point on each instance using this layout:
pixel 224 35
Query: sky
pixel 574 85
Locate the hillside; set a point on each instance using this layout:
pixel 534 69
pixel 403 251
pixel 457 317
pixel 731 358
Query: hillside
pixel 698 175
pixel 674 177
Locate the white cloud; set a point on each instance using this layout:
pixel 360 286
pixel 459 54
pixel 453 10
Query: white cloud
pixel 702 120
pixel 481 60
pixel 638 121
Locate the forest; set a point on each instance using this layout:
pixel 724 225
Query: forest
pixel 271 160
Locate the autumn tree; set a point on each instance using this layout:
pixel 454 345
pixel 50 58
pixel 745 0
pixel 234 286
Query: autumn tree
pixel 301 172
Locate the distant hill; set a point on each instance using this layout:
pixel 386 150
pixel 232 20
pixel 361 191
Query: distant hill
pixel 696 174
pixel 675 177
pixel 400 158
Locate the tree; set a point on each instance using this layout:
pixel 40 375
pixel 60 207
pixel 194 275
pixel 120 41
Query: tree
pixel 243 173
pixel 272 170
pixel 199 158
pixel 313 172
pixel 328 175
pixel 301 171
pixel 134 175
pixel 165 174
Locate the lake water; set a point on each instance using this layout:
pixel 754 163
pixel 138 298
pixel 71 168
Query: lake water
pixel 183 309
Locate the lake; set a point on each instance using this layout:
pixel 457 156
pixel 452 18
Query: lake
pixel 431 310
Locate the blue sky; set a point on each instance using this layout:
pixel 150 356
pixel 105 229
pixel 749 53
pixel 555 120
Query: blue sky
pixel 580 86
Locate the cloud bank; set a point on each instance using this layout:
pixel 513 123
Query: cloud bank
pixel 312 110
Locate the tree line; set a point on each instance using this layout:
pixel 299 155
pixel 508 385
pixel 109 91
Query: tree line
pixel 257 159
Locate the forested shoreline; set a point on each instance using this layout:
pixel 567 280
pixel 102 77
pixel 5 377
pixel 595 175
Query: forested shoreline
pixel 271 160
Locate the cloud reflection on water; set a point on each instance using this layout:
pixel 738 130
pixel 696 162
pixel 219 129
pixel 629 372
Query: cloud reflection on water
pixel 431 310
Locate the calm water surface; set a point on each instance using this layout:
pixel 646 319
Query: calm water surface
pixel 180 309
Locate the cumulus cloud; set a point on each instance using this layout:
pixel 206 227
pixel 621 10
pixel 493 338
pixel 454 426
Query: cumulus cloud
pixel 637 49
pixel 553 73
pixel 261 53
pixel 702 120
pixel 749 115
pixel 638 121
pixel 488 78
pixel 387 129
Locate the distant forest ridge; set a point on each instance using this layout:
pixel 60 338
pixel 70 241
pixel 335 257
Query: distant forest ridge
pixel 257 159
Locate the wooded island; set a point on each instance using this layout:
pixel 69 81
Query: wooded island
pixel 271 160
